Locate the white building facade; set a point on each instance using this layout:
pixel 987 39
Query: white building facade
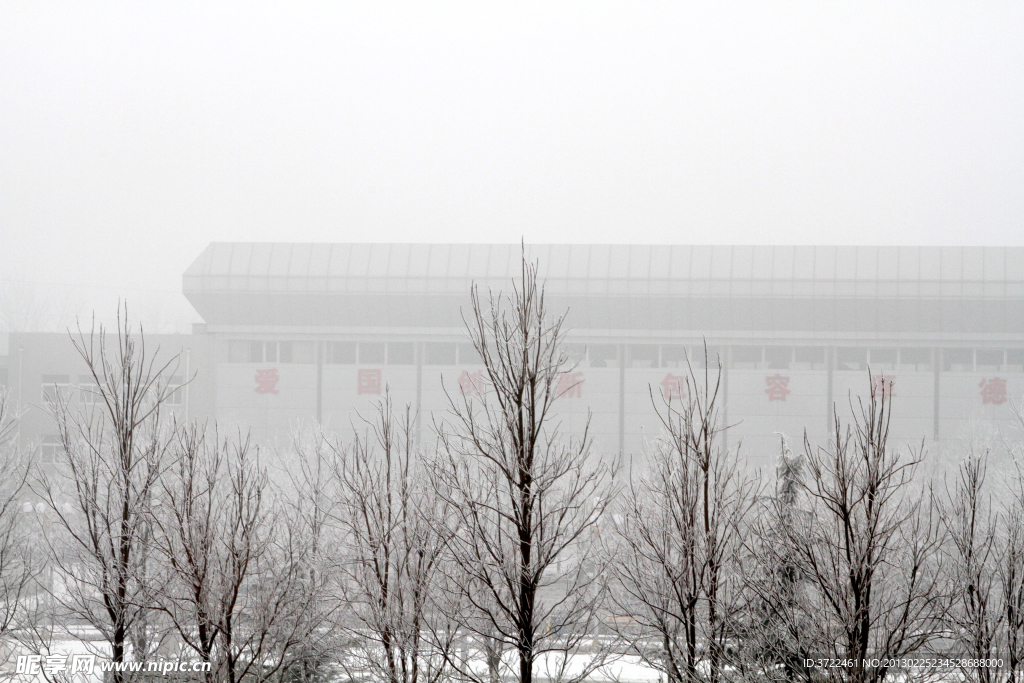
pixel 315 332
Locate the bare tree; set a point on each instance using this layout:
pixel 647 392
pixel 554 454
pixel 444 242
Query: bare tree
pixel 391 545
pixel 188 527
pixel 100 492
pixel 1011 583
pixel 681 532
pixel 973 550
pixel 310 516
pixel 524 500
pixel 19 565
pixel 775 629
pixel 866 550
pixel 239 593
pixel 1011 568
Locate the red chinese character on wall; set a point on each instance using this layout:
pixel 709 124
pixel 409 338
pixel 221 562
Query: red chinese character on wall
pixel 369 382
pixel 471 383
pixel 266 381
pixel 993 390
pixel 883 387
pixel 570 385
pixel 673 386
pixel 777 387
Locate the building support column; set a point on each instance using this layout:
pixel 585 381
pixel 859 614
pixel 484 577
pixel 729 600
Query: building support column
pixel 830 418
pixel 723 369
pixel 622 399
pixel 320 352
pixel 936 368
pixel 418 352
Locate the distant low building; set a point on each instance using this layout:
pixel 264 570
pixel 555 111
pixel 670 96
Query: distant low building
pixel 316 332
pixel 44 367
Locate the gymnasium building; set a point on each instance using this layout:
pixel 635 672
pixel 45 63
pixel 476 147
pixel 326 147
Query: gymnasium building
pixel 296 334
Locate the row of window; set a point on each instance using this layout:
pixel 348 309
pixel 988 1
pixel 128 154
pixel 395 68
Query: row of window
pixel 60 387
pixel 950 360
pixel 638 356
pixel 808 358
pixel 351 353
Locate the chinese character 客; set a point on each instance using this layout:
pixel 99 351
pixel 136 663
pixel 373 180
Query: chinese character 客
pixel 266 381
pixel 673 386
pixel 570 385
pixel 993 390
pixel 777 387
pixel 369 382
pixel 471 383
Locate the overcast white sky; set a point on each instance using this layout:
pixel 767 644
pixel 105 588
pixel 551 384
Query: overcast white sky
pixel 131 135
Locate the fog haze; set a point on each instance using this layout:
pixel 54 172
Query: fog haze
pixel 132 135
pixel 518 342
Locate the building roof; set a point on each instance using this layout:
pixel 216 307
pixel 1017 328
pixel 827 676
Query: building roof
pixel 809 288
pixel 603 268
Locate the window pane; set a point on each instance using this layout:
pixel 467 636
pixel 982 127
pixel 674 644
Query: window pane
pixel 440 353
pixel 88 390
pixel 270 352
pixel 56 386
pixel 810 354
pixel 989 359
pixel 706 357
pixel 883 355
pixel 255 352
pixel 643 356
pixel 673 356
pixel 371 353
pixel 883 359
pixel 577 354
pixel 809 358
pixel 958 360
pixel 746 357
pixel 49 449
pixel 303 352
pixel 468 355
pixel 851 359
pixel 603 355
pixel 175 392
pixel 916 359
pixel 401 353
pixel 284 351
pixel 778 357
pixel 343 353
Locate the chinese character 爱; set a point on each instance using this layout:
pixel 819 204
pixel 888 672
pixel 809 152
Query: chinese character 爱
pixel 266 381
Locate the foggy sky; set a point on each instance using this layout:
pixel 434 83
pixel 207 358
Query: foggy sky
pixel 131 135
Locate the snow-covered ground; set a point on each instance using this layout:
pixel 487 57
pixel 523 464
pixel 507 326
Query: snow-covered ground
pixel 64 650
